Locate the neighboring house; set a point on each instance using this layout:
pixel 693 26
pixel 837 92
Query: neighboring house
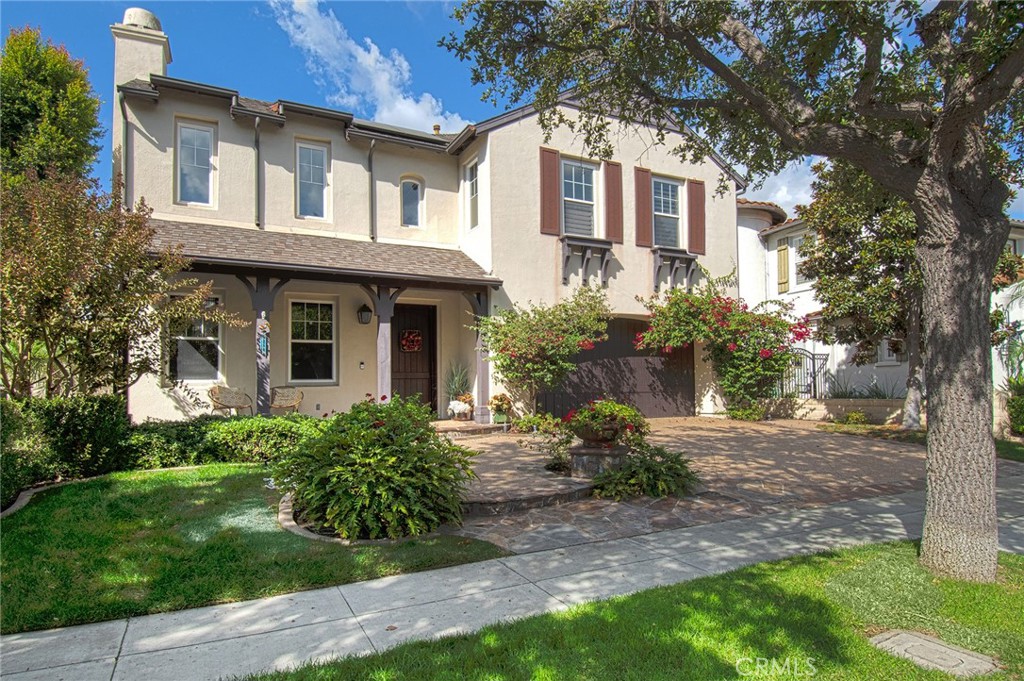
pixel 769 260
pixel 362 251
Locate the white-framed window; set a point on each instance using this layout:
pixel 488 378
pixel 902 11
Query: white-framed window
pixel 195 348
pixel 311 180
pixel 667 212
pixel 473 194
pixel 886 357
pixel 578 198
pixel 311 341
pixel 794 246
pixel 412 202
pixel 195 154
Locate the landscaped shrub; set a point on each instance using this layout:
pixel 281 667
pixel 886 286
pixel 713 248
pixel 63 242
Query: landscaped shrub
pixel 379 470
pixel 547 434
pixel 754 412
pixel 854 418
pixel 648 470
pixel 25 454
pixel 87 435
pixel 606 421
pixel 208 439
pixel 1015 411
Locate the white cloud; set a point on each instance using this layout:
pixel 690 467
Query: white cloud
pixel 790 187
pixel 357 74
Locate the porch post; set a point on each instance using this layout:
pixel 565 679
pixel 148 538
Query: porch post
pixel 383 301
pixel 262 295
pixel 480 304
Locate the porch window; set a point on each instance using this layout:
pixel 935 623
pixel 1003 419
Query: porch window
pixel 666 212
pixel 311 342
pixel 577 198
pixel 195 348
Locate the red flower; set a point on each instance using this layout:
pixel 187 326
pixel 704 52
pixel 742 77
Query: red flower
pixel 383 398
pixel 731 347
pixel 630 427
pixel 568 417
pixel 586 344
pixel 667 349
pixel 378 424
pixel 765 354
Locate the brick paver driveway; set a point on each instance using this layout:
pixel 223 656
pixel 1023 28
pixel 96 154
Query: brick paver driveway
pixel 747 469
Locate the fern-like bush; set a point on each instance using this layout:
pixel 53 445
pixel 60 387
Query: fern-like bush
pixel 648 470
pixel 379 470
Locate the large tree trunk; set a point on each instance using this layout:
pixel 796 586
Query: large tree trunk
pixel 915 369
pixel 958 254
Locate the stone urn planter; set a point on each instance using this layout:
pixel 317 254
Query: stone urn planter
pixel 597 437
pixel 586 461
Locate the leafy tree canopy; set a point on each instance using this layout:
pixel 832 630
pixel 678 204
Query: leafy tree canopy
pixel 79 287
pixel 49 117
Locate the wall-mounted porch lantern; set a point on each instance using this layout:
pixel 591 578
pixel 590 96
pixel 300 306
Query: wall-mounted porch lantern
pixel 364 314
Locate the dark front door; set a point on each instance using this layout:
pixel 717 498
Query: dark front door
pixel 414 352
pixel 657 384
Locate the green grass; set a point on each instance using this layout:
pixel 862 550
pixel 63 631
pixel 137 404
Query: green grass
pixel 1007 449
pixel 143 542
pixel 812 610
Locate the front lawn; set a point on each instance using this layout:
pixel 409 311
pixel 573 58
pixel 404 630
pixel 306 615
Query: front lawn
pixel 153 541
pixel 812 615
pixel 1007 449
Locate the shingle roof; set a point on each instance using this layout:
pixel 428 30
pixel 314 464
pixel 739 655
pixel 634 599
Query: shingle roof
pixel 792 222
pixel 324 255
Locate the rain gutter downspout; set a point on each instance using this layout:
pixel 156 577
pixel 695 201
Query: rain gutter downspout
pixel 259 169
pixel 373 192
pixel 123 170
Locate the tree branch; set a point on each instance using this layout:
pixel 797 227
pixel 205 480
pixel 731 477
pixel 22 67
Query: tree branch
pixel 873 44
pixel 934 28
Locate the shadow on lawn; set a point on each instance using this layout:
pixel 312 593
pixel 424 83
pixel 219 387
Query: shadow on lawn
pixel 699 630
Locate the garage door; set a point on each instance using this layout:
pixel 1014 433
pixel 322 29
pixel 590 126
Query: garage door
pixel 656 383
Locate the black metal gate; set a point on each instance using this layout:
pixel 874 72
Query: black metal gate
pixel 805 375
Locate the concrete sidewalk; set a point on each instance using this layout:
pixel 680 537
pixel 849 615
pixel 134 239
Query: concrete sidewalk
pixel 285 631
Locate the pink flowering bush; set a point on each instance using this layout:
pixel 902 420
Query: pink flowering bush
pixel 534 347
pixel 749 348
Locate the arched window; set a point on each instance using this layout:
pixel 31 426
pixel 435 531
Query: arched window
pixel 412 202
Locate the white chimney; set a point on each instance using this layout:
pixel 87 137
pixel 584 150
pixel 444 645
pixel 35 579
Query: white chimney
pixel 140 46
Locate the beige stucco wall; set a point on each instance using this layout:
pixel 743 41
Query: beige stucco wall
pixel 519 247
pixel 148 399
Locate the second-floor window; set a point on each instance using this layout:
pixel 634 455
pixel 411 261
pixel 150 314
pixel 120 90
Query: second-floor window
pixel 472 193
pixel 412 199
pixel 577 198
pixel 312 180
pixel 666 212
pixel 195 167
pixel 794 245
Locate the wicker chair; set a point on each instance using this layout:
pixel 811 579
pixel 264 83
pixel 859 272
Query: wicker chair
pixel 224 398
pixel 284 397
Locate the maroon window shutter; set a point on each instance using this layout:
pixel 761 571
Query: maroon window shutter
pixel 613 201
pixel 695 204
pixel 644 207
pixel 550 192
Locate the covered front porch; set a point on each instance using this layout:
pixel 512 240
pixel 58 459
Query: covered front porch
pixel 338 319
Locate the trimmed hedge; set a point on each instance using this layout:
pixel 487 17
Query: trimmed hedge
pixel 63 439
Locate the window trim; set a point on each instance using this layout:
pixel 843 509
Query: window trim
pixel 472 192
pixel 334 342
pixel 807 282
pixel 884 356
pixel 326 149
pixel 211 128
pixel 219 297
pixel 597 227
pixel 420 204
pixel 681 218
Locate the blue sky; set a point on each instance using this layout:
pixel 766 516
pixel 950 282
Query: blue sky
pixel 379 60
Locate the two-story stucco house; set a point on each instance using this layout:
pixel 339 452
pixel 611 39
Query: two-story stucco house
pixel 361 252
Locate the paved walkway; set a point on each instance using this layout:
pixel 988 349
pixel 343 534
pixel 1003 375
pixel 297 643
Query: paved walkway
pixel 356 619
pixel 748 469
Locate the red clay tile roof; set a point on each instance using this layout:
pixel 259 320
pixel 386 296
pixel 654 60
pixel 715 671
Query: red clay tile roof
pixel 322 255
pixel 777 211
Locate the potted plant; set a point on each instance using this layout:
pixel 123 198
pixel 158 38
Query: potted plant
pixel 461 408
pixel 501 406
pixel 602 423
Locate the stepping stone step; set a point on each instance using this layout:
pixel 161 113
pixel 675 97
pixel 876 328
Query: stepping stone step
pixel 929 652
